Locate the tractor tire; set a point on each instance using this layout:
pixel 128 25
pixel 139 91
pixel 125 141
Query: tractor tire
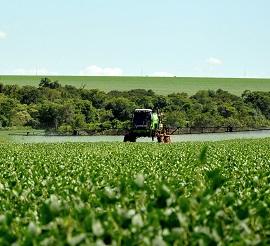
pixel 167 139
pixel 133 139
pixel 129 138
pixel 126 138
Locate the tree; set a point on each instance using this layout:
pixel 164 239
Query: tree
pixel 48 115
pixel 44 82
pixel 11 91
pixel 20 118
pixel 205 120
pixel 79 121
pixel 144 102
pixel 7 110
pixel 160 102
pixel 29 94
pixel 85 107
pixel 2 87
pixel 51 94
pixel 175 119
pixel 52 115
pixel 95 96
pixel 121 108
pixel 202 97
pixel 259 100
pixel 105 115
pixel 47 83
pixel 226 110
pixel 50 105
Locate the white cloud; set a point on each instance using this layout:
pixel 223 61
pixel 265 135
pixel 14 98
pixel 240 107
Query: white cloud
pixel 3 35
pixel 94 70
pixel 213 61
pixel 162 74
pixel 37 71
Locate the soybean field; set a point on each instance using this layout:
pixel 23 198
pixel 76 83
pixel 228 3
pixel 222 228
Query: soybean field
pixel 212 193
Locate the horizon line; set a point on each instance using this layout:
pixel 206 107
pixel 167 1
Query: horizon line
pixel 130 76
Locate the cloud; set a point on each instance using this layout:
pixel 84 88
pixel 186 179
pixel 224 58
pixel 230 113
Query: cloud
pixel 94 70
pixel 212 61
pixel 3 35
pixel 37 71
pixel 162 74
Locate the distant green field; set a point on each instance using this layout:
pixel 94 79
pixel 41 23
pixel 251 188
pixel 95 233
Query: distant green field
pixel 160 85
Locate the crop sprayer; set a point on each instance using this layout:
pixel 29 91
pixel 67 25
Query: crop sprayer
pixel 147 123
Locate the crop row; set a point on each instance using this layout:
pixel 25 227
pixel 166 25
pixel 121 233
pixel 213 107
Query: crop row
pixel 135 194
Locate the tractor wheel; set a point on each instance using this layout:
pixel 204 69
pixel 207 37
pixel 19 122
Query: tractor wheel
pixel 160 138
pixel 129 138
pixel 167 139
pixel 133 139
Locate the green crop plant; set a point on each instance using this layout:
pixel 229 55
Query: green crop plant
pixel 135 194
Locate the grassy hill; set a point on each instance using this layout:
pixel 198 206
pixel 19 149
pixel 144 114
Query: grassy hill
pixel 161 85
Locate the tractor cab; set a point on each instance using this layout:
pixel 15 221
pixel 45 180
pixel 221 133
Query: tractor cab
pixel 145 123
pixel 142 119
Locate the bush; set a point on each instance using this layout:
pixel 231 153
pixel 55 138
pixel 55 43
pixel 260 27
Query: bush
pixel 65 128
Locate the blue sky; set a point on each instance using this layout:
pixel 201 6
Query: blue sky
pixel 225 38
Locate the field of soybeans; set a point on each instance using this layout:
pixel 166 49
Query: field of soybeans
pixel 211 193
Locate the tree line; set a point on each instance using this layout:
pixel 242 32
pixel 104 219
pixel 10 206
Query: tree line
pixel 65 108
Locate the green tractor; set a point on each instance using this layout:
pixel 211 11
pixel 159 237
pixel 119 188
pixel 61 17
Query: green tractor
pixel 145 123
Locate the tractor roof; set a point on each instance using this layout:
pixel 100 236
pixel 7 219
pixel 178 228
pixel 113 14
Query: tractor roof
pixel 143 110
